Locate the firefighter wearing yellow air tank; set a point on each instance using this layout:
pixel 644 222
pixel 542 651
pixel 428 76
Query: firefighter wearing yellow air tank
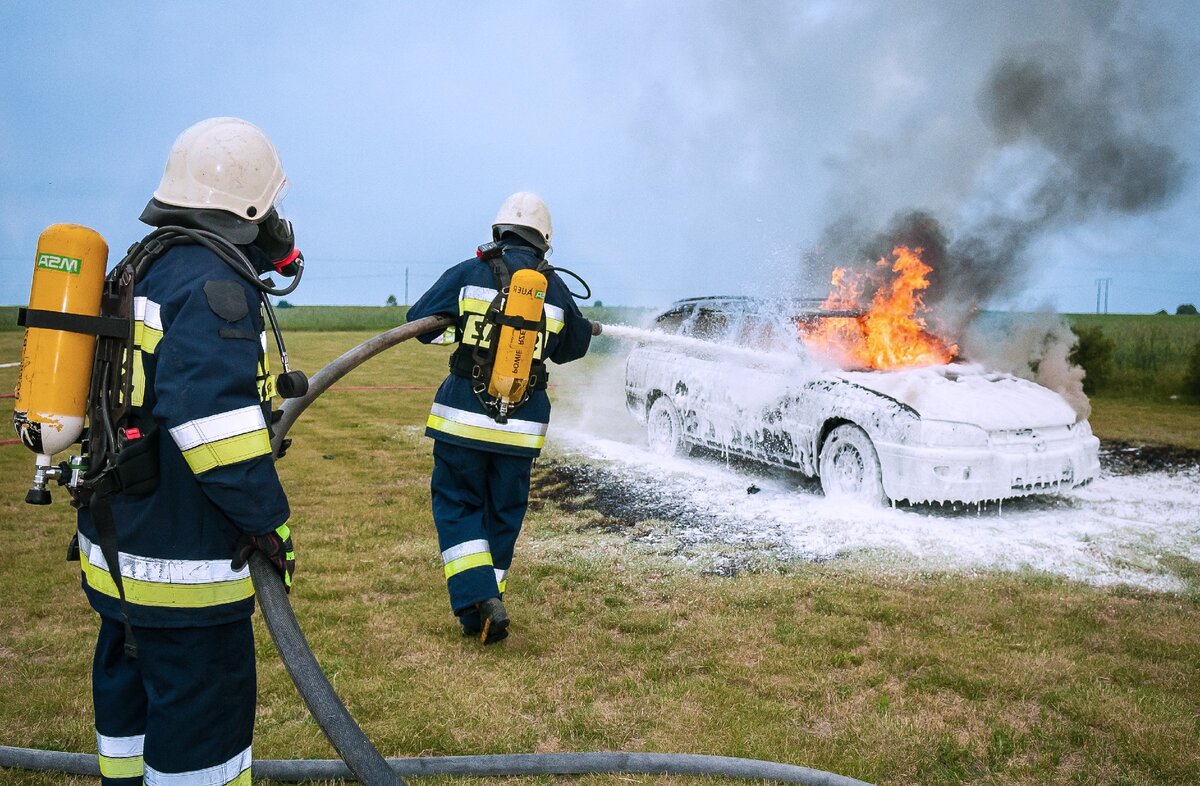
pixel 490 415
pixel 180 707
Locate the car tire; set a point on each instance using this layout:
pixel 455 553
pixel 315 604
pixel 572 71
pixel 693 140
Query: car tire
pixel 849 466
pixel 664 429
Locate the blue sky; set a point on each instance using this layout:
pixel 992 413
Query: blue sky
pixel 684 148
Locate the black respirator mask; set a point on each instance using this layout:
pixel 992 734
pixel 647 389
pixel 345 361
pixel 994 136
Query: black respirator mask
pixel 277 240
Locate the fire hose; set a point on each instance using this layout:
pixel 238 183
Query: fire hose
pixel 360 759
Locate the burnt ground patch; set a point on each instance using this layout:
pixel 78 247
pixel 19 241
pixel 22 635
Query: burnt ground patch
pixel 621 505
pixel 1124 458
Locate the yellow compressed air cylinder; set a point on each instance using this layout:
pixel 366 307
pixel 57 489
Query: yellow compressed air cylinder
pixel 56 365
pixel 515 347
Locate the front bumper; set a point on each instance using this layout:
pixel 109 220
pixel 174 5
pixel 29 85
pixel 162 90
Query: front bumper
pixel 948 474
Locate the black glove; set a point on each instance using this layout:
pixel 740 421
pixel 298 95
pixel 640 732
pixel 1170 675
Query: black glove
pixel 277 240
pixel 276 545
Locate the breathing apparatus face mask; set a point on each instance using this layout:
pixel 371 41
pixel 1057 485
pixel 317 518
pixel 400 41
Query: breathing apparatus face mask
pixel 277 240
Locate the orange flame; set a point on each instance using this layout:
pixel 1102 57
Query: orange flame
pixel 892 334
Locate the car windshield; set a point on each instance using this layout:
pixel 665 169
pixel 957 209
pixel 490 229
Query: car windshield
pixel 747 323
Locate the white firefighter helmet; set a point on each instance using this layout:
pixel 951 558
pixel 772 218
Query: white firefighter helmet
pixel 223 163
pixel 524 210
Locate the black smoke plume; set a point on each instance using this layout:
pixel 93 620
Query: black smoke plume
pixel 1078 139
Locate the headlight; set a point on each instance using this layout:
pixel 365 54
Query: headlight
pixel 941 433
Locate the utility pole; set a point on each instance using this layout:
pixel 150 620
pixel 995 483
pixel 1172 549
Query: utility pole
pixel 406 285
pixel 1102 295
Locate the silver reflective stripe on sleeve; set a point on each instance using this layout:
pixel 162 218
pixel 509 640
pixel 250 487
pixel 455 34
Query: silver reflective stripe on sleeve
pixel 475 300
pixel 555 318
pixel 149 312
pixel 447 336
pixel 225 438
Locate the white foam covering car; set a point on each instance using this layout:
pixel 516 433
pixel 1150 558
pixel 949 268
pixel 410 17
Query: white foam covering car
pixel 732 374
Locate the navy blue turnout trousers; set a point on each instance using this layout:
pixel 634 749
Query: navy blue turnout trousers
pixel 185 702
pixel 479 502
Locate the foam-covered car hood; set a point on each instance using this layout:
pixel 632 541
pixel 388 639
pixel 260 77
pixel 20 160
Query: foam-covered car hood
pixel 968 394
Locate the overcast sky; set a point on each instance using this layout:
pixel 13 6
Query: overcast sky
pixel 684 148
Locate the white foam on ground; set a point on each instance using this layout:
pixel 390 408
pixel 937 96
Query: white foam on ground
pixel 1118 530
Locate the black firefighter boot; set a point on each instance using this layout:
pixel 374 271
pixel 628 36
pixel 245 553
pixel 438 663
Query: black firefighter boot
pixel 494 620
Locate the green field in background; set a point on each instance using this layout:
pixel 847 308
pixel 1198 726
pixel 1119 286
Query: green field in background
pixel 1149 360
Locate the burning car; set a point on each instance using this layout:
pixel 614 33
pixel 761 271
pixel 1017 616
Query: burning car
pixel 739 375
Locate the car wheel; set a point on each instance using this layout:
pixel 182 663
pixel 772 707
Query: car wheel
pixel 664 429
pixel 849 466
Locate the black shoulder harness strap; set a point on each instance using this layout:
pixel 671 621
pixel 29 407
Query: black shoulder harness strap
pixel 475 363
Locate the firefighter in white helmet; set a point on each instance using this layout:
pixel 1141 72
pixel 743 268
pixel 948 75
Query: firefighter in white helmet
pixel 482 456
pixel 173 677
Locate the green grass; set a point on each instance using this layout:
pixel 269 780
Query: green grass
pixel 1151 351
pixel 930 679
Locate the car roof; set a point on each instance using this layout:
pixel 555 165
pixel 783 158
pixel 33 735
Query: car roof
pixel 746 304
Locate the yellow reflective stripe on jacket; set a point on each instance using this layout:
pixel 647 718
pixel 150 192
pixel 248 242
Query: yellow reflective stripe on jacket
pixel 475 300
pixel 235 772
pixel 120 757
pixel 147 332
pixel 473 425
pixel 150 581
pixel 266 382
pixel 137 393
pixel 448 336
pixel 555 318
pixel 228 451
pixel 146 337
pixel 222 439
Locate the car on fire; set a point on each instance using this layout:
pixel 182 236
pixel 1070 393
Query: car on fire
pixel 732 374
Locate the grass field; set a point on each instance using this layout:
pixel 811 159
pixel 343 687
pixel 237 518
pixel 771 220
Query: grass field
pixel 893 679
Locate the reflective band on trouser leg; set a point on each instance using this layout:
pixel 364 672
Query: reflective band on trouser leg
pixel 179 583
pixel 464 556
pixel 472 425
pixel 235 772
pixel 120 757
pixel 223 439
pixel 501 581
